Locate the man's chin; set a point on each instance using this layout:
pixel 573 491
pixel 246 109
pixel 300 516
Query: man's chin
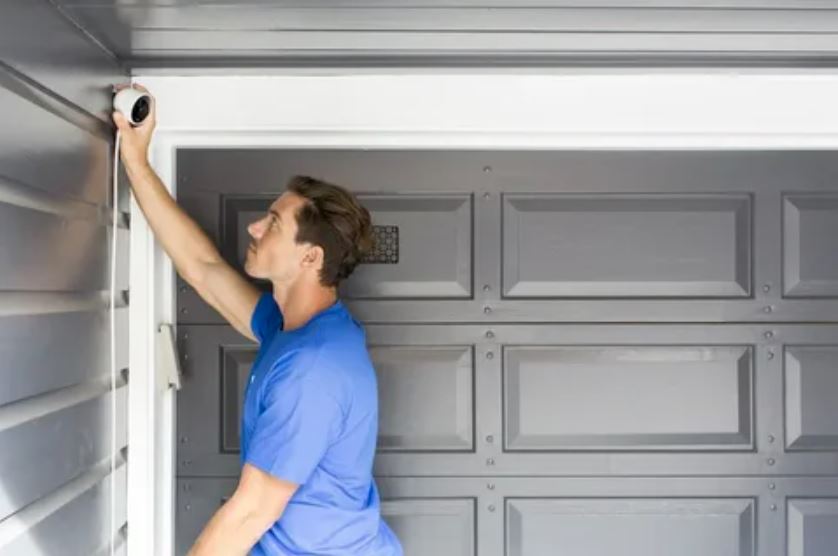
pixel 253 273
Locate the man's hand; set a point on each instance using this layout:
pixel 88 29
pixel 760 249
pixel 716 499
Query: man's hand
pixel 135 140
pixel 257 504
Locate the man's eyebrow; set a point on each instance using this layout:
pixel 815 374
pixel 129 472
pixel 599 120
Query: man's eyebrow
pixel 275 213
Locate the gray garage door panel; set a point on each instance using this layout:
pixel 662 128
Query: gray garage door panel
pixel 579 381
pixel 733 515
pixel 443 221
pixel 439 526
pixel 812 526
pixel 628 398
pixel 631 236
pixel 440 220
pixel 811 417
pixel 631 527
pixel 810 263
pixel 428 523
pixel 442 368
pixel 235 370
pixel 605 347
pixel 626 246
pixel 413 375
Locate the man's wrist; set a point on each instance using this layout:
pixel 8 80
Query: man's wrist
pixel 138 168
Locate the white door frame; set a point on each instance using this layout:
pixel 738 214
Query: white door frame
pixel 602 109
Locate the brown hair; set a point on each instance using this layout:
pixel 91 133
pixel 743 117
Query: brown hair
pixel 333 219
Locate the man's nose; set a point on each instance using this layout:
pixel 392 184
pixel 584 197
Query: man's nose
pixel 254 229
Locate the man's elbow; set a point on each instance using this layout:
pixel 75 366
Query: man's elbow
pixel 197 272
pixel 257 512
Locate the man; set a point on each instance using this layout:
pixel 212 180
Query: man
pixel 310 414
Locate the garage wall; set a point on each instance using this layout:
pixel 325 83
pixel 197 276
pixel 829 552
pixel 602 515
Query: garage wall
pixel 55 401
pixel 608 352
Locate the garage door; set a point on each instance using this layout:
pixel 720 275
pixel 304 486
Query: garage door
pixel 581 353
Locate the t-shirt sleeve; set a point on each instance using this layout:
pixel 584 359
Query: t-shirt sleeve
pixel 299 420
pixel 266 318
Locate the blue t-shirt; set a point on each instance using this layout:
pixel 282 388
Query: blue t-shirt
pixel 311 417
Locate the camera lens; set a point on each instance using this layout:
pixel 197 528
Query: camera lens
pixel 141 109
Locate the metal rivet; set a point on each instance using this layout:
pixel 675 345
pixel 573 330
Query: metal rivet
pixel 185 336
pixel 770 461
pixel 183 289
pixel 491 507
pixel 767 309
pixel 490 334
pixel 490 439
pixel 766 288
pixel 486 195
pixel 490 355
pixel 771 486
pixel 186 462
pixel 183 311
pixel 486 287
pixel 490 461
pixel 770 438
pixel 487 310
pixel 773 507
pixel 491 486
pixel 768 334
pixel 770 355
pixel 183 440
pixel 188 507
pixel 487 169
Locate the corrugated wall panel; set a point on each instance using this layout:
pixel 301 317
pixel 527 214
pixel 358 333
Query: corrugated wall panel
pixel 63 436
pixel 68 63
pixel 41 344
pixel 73 520
pixel 170 33
pixel 55 404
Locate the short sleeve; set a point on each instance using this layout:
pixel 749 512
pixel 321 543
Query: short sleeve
pixel 266 319
pixel 299 419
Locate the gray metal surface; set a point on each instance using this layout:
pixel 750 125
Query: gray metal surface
pixel 746 252
pixel 475 32
pixel 55 406
pixel 628 364
pixel 69 64
pixel 631 526
pixel 681 245
pixel 36 342
pixel 467 515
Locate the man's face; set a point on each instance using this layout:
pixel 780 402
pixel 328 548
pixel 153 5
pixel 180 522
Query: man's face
pixel 273 253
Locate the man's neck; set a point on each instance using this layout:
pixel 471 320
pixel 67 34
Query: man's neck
pixel 300 302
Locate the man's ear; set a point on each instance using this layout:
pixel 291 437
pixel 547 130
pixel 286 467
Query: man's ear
pixel 314 257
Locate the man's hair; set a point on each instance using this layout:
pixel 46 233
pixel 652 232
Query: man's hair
pixel 333 219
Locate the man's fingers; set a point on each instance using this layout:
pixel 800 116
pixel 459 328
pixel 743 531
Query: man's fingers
pixel 120 121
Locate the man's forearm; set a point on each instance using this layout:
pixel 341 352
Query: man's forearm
pixel 182 239
pixel 232 531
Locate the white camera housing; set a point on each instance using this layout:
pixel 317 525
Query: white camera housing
pixel 134 104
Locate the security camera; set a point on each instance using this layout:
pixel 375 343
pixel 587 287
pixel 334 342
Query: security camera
pixel 134 104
